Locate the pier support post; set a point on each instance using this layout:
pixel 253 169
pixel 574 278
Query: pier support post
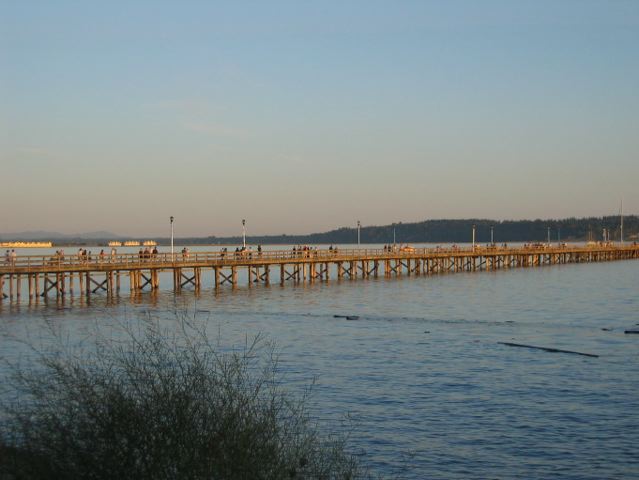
pixel 132 281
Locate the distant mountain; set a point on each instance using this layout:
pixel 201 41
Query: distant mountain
pixel 44 235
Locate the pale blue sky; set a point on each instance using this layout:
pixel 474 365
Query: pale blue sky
pixel 304 116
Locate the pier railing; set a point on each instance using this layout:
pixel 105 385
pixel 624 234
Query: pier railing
pixel 28 263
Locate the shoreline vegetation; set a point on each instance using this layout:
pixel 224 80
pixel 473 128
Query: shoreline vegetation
pixel 429 231
pixel 162 403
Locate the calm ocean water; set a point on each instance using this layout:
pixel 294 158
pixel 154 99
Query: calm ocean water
pixel 422 372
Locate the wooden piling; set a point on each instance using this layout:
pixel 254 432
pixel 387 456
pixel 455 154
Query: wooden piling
pixel 267 274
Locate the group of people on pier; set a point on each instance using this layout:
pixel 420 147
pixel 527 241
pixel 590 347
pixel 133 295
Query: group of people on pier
pixel 304 251
pixel 244 252
pixel 10 257
pixel 147 253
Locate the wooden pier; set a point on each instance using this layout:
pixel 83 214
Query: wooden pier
pixel 59 276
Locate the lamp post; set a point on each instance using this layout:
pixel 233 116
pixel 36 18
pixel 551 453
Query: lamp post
pixel 244 233
pixel 621 226
pixel 492 237
pixel 548 236
pixel 358 228
pixel 474 227
pixel 172 257
pixel 393 234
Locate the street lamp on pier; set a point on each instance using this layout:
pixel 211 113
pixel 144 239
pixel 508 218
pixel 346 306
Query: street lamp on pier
pixel 172 218
pixel 492 236
pixel 358 229
pixel 244 233
pixel 474 228
pixel 548 236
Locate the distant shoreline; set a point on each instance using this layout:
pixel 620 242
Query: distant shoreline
pixel 428 231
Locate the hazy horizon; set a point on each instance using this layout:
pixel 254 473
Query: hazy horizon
pixel 302 117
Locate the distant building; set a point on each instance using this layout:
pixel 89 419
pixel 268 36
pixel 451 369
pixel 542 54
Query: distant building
pixel 26 244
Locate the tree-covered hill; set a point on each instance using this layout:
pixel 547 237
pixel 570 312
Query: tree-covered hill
pixel 455 231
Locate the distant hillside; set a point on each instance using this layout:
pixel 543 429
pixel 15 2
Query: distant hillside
pixel 428 231
pixel 452 231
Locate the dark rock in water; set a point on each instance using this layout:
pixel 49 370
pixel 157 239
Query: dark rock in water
pixel 352 317
pixel 426 331
pixel 607 329
pixel 632 331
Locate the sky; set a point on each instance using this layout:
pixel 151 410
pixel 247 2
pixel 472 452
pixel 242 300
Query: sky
pixel 305 116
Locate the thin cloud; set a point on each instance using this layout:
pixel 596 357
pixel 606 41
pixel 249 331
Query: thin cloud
pixel 33 151
pixel 213 129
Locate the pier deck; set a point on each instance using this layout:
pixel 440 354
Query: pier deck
pixel 56 275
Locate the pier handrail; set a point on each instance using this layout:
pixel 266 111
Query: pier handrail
pixel 28 263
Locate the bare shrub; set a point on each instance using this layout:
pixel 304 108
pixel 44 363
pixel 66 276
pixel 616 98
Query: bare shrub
pixel 164 405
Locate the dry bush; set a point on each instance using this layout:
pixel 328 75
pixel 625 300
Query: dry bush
pixel 163 404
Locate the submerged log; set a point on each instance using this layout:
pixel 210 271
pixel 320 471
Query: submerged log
pixel 547 349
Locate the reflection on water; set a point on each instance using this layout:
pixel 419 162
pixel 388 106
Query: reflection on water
pixel 422 371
